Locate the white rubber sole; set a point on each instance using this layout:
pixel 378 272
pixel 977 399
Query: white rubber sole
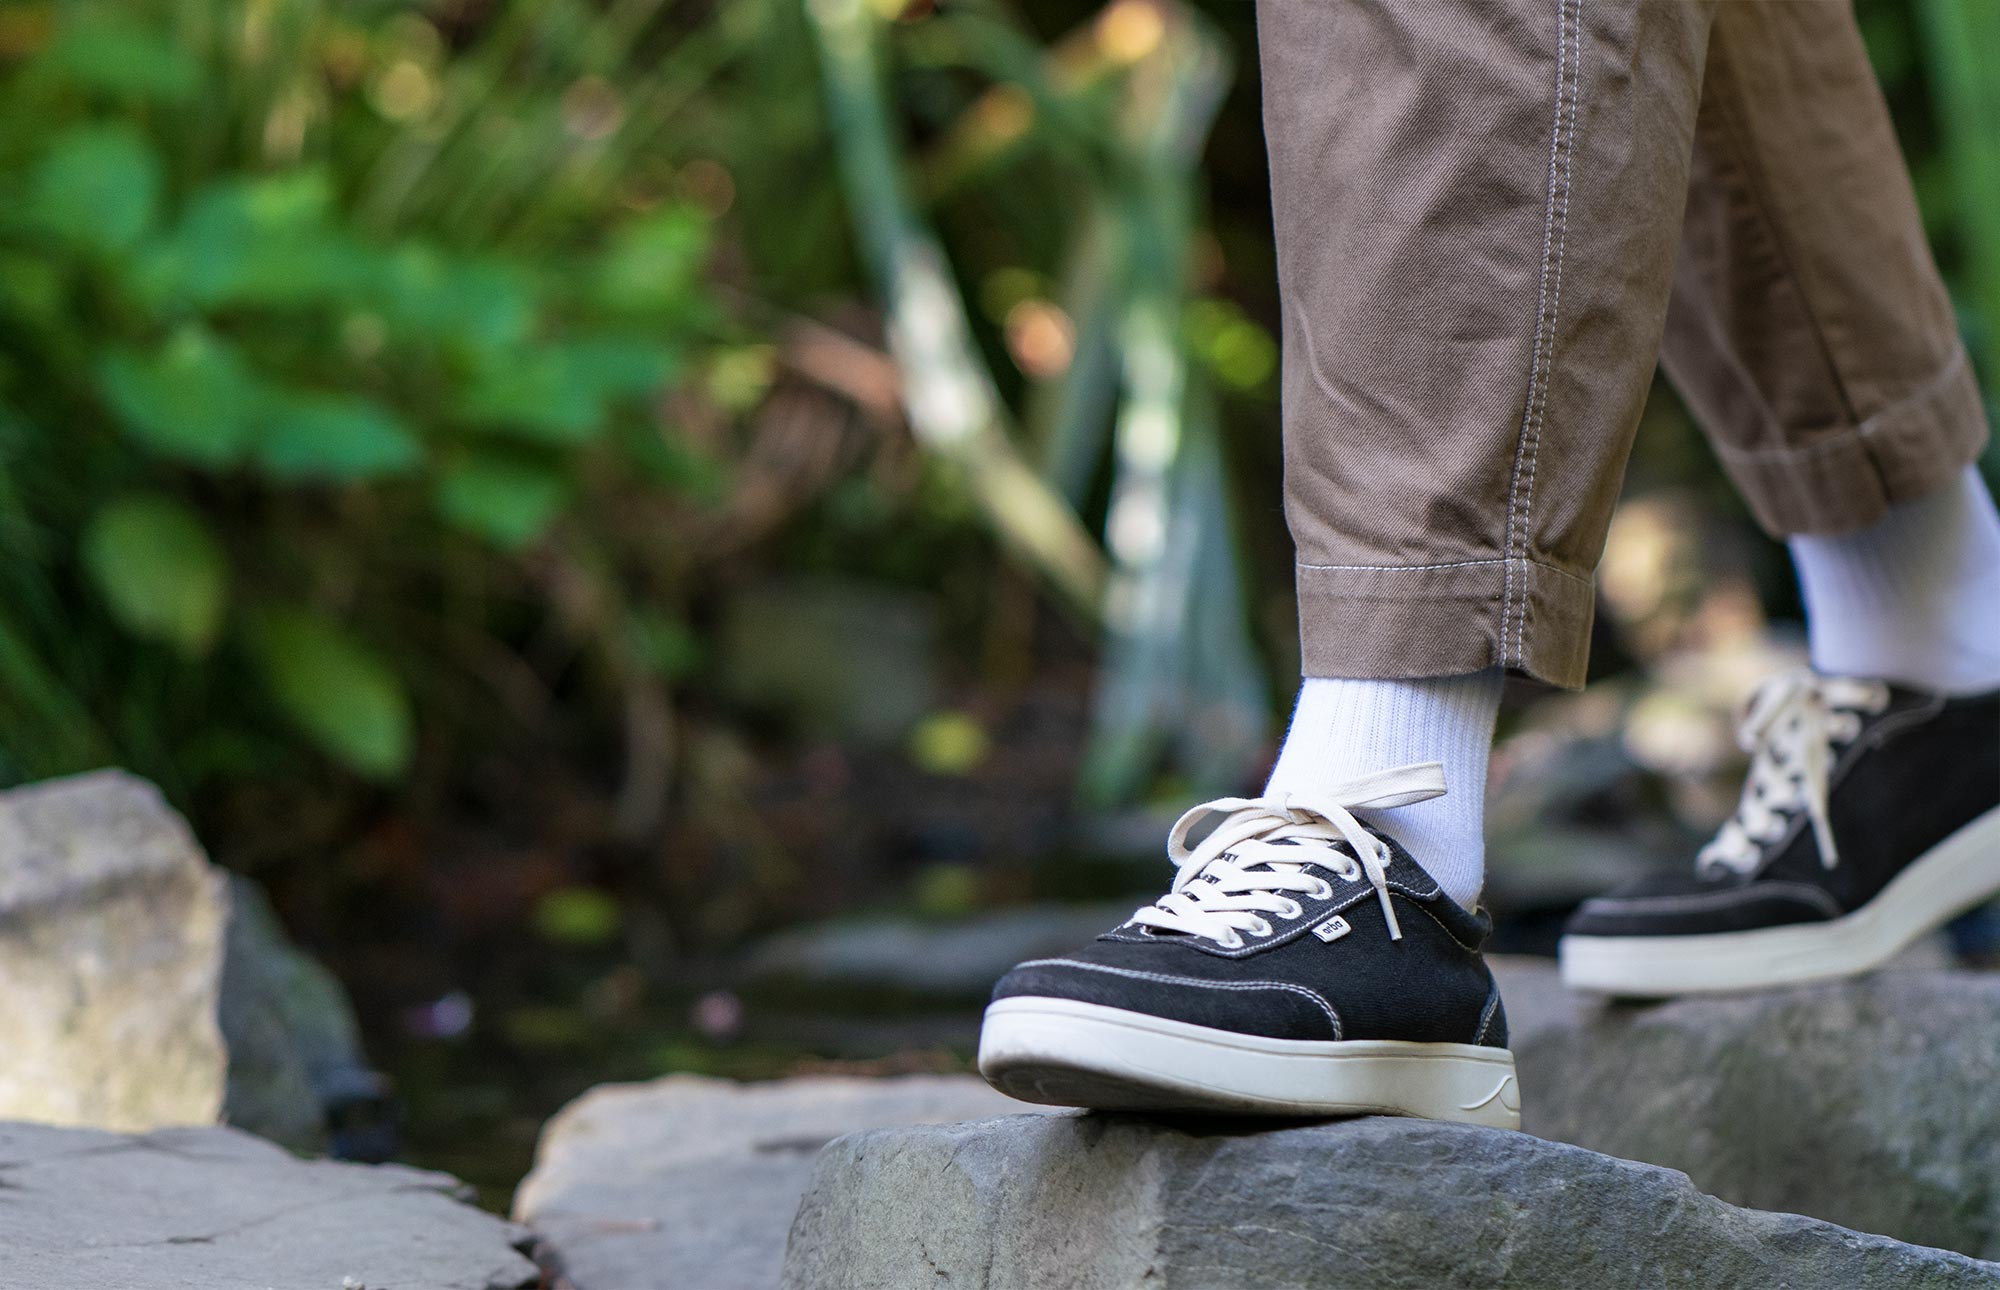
pixel 1060 1052
pixel 1957 874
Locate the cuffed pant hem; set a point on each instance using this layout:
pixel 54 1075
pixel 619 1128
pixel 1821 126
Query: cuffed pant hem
pixel 1395 622
pixel 1846 479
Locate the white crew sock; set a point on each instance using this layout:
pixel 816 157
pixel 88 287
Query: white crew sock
pixel 1343 728
pixel 1914 597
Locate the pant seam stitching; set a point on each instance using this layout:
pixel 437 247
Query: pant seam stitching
pixel 1577 578
pixel 1555 315
pixel 1527 446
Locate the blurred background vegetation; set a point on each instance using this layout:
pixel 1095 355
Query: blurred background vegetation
pixel 560 490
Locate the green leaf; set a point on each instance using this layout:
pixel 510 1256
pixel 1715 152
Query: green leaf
pixel 481 307
pixel 114 55
pixel 159 569
pixel 97 187
pixel 540 395
pixel 265 241
pixel 620 366
pixel 508 501
pixel 195 400
pixel 562 393
pixel 335 437
pixel 337 691
pixel 654 266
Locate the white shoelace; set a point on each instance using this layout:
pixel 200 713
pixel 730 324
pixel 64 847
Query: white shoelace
pixel 1243 869
pixel 1788 728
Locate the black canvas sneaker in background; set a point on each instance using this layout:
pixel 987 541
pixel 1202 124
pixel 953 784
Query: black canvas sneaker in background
pixel 1303 964
pixel 1871 816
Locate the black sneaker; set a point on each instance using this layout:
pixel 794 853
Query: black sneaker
pixel 1871 816
pixel 1303 964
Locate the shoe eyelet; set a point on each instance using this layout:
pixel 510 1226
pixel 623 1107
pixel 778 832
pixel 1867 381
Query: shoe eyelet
pixel 1324 890
pixel 1234 942
pixel 1262 928
pixel 1291 910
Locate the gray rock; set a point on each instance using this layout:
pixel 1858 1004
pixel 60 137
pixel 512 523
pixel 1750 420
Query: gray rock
pixel 956 960
pixel 688 1183
pixel 214 1207
pixel 1872 1103
pixel 1110 1203
pixel 296 1070
pixel 144 988
pixel 111 932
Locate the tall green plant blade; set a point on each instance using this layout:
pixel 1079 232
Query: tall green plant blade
pixel 1964 37
pixel 1069 418
pixel 45 726
pixel 948 394
pixel 1174 585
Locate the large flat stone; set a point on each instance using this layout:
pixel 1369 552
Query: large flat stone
pixel 216 1208
pixel 1872 1103
pixel 688 1183
pixel 1115 1203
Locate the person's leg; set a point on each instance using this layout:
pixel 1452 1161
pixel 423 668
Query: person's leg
pixel 1913 598
pixel 1477 211
pixel 1811 335
pixel 1808 329
pixel 1343 728
pixel 1477 204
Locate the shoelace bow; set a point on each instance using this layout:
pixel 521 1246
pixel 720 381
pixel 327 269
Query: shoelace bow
pixel 1242 870
pixel 1788 727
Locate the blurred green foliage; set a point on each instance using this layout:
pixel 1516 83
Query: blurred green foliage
pixel 316 317
pixel 376 373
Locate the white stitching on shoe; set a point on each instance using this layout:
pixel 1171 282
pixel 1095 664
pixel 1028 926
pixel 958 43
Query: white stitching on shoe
pixel 1469 949
pixel 1486 1017
pixel 1527 446
pixel 1717 899
pixel 1332 1017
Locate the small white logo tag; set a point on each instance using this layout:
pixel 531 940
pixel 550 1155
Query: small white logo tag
pixel 1332 929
